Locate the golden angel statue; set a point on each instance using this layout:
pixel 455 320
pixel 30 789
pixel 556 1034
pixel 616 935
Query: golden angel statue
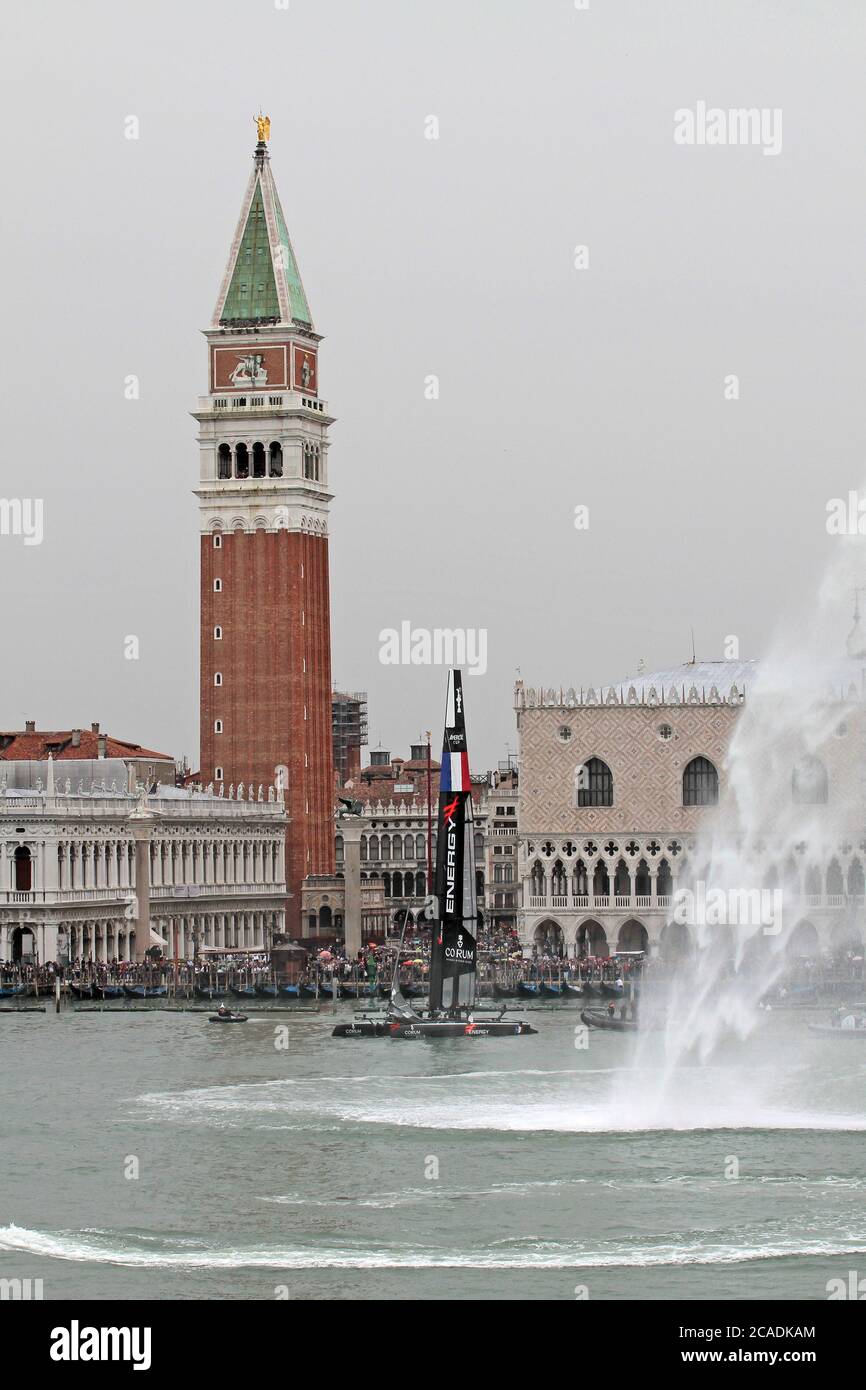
pixel 263 126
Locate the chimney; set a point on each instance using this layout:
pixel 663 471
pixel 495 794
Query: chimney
pixel 101 742
pixel 94 728
pixel 30 726
pixel 76 738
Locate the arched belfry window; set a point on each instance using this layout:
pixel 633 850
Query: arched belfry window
pixel 275 459
pixel 809 782
pixel 258 460
pixel 224 461
pixel 311 461
pixel 598 790
pixel 242 461
pixel 700 783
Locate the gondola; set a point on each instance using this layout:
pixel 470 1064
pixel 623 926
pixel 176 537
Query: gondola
pixel 600 1018
pixel 243 991
pixel 593 989
pixel 528 988
pixel 572 991
pixel 227 1018
pixel 109 991
pixel 611 991
pixel 144 991
pixel 308 991
pixel 551 991
pixel 346 991
pixel 11 991
pixel 210 992
pixel 503 992
pixel 414 991
pixel 267 991
pixel 83 991
pixel 291 991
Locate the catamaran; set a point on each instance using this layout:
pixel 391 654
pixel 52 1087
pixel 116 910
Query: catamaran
pixel 451 1007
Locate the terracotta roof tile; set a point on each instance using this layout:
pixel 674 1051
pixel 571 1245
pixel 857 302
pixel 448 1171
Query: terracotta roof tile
pixel 16 745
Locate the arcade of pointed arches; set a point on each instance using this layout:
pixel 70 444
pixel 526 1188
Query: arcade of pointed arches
pixel 676 939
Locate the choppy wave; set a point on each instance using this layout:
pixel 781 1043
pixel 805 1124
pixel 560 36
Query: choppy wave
pixel 116 1249
pixel 410 1101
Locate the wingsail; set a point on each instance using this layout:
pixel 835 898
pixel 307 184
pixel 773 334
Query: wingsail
pixel 454 955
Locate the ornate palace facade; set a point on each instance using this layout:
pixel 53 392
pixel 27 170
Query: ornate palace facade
pixel 622 798
pixel 91 869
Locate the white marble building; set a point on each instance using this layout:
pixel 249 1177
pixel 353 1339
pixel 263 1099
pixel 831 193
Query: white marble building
pixel 92 869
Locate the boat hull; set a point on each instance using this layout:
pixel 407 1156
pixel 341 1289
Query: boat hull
pixel 828 1031
pixel 363 1028
pixel 404 1029
pixel 597 1018
pixel 227 1018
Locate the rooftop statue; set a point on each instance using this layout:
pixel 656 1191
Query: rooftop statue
pixel 263 127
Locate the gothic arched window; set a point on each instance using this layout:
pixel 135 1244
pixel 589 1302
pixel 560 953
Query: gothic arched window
pixel 809 782
pixel 242 461
pixel 258 460
pixel 224 461
pixel 599 785
pixel 700 783
pixel 275 459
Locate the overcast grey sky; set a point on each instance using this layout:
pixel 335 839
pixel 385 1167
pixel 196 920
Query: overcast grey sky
pixel 559 387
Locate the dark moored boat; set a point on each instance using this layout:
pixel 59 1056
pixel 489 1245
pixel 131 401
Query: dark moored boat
pixel 347 991
pixel 210 992
pixel 593 989
pixel 572 991
pixel 308 991
pixel 11 991
pixel 414 991
pixel 243 991
pixel 837 1030
pixel 83 991
pixel 551 991
pixel 503 992
pixel 600 1018
pixel 267 991
pixel 110 991
pixel 227 1018
pixel 144 991
pixel 291 991
pixel 529 988
pixel 611 991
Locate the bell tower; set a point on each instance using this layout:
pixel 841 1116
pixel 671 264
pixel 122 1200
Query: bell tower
pixel 263 513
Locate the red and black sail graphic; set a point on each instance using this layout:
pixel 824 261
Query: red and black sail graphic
pixel 454 952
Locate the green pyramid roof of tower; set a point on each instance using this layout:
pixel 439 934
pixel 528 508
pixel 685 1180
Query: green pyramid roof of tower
pixel 252 293
pixel 297 298
pixel 262 282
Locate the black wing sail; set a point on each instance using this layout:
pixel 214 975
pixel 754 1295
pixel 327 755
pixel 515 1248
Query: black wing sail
pixel 453 961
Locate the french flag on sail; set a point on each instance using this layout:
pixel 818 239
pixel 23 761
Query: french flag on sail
pixel 454 775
